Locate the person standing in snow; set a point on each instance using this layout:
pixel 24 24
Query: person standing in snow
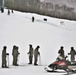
pixel 30 54
pixel 12 11
pixel 15 54
pixel 2 10
pixel 4 54
pixel 36 53
pixel 33 18
pixel 72 53
pixel 61 52
pixel 8 12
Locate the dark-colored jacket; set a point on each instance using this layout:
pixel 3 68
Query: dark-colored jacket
pixel 30 51
pixel 4 54
pixel 61 52
pixel 72 53
pixel 15 52
pixel 36 52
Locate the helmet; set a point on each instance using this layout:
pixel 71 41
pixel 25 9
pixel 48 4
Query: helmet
pixel 38 46
pixel 30 45
pixel 72 47
pixel 62 47
pixel 5 47
pixel 14 46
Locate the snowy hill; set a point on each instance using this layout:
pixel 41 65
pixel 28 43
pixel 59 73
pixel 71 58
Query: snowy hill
pixel 65 9
pixel 18 29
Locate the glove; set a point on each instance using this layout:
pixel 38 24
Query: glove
pixel 7 54
pixel 68 53
pixel 18 53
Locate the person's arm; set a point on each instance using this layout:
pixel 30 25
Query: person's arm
pixel 7 53
pixel 59 52
pixel 38 53
pixel 69 53
pixel 28 52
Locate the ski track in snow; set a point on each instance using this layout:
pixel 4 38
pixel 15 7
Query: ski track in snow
pixel 49 23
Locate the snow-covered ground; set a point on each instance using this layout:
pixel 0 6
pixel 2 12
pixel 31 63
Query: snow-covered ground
pixel 18 29
pixel 28 70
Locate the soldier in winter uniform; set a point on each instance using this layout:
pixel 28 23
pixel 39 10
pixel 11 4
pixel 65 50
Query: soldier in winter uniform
pixel 4 63
pixel 30 54
pixel 72 53
pixel 61 52
pixel 15 54
pixel 36 53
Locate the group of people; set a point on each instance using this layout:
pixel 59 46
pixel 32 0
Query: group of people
pixel 72 53
pixel 15 53
pixel 33 52
pixel 8 12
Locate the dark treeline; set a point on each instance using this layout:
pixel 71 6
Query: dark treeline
pixel 36 6
pixel 0 2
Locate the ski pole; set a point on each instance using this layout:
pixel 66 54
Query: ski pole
pixel 8 59
pixel 40 60
pixel 18 58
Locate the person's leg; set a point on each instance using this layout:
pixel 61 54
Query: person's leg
pixel 35 62
pixel 2 63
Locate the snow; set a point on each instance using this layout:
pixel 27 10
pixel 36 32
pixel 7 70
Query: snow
pixel 34 70
pixel 18 29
